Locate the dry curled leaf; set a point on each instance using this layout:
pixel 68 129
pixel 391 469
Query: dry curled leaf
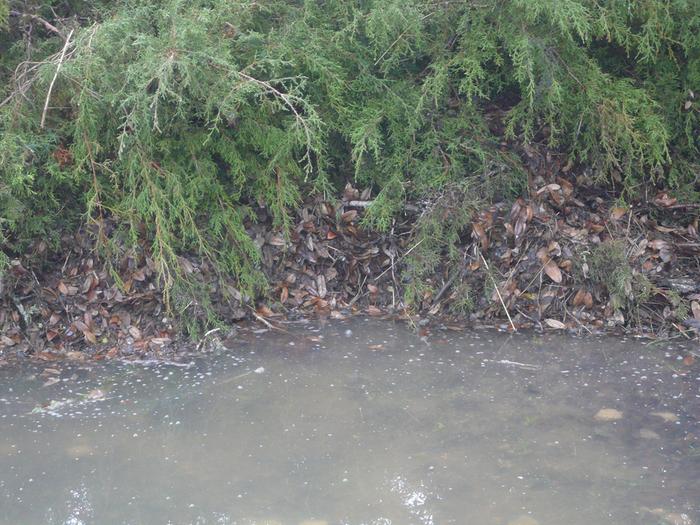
pixel 265 311
pixel 135 332
pixel 553 271
pixel 578 298
pixel 664 200
pixel 553 323
pixel 349 215
pixel 373 310
pixel 321 286
pixel 90 336
pixel 617 213
pixel 695 308
pixel 548 187
pixel 6 341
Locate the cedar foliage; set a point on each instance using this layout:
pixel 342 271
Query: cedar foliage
pixel 175 117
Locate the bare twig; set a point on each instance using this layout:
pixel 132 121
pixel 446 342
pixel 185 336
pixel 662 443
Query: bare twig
pixel 201 343
pixel 53 80
pixel 507 362
pixel 359 292
pixel 535 321
pixel 447 285
pixel 400 258
pixel 48 25
pixel 686 206
pixel 577 320
pixel 498 292
pixel 265 321
pixel 683 332
pixel 360 204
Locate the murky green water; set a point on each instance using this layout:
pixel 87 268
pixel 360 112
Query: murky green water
pixel 360 423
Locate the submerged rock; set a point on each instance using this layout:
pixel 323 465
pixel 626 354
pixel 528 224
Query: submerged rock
pixel 668 417
pixel 645 433
pixel 670 518
pixel 608 414
pixel 524 520
pixel 674 518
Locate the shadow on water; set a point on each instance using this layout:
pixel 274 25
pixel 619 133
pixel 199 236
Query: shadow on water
pixel 360 423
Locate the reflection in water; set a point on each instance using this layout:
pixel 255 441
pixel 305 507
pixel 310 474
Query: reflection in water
pixel 360 423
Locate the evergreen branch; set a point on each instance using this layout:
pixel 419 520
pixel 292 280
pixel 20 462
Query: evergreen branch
pixel 398 38
pixel 287 100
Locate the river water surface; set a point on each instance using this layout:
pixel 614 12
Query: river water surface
pixel 360 422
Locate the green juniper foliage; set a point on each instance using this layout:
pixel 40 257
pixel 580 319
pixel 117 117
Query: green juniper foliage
pixel 609 266
pixel 174 117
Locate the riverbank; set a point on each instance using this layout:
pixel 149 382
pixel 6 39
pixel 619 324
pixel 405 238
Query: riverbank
pixel 565 257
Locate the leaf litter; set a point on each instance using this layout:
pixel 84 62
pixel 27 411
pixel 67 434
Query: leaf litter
pixel 547 261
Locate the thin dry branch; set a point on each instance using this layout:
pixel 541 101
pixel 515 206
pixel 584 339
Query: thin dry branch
pixel 53 80
pixel 26 73
pixel 394 263
pixel 498 292
pixel 48 25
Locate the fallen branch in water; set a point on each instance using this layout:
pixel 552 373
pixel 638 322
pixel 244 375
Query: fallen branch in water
pixel 265 321
pixel 524 366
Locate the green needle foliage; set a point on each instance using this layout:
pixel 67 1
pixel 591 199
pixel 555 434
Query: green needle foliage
pixel 176 117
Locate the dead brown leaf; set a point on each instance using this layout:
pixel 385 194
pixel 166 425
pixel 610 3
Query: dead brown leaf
pixel 665 200
pixel 265 311
pixel 135 332
pixel 553 271
pixel 553 323
pixel 373 310
pixel 617 213
pixel 349 216
pixel 321 286
pixel 695 308
pixel 548 187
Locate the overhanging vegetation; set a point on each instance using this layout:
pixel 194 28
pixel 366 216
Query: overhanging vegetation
pixel 174 119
